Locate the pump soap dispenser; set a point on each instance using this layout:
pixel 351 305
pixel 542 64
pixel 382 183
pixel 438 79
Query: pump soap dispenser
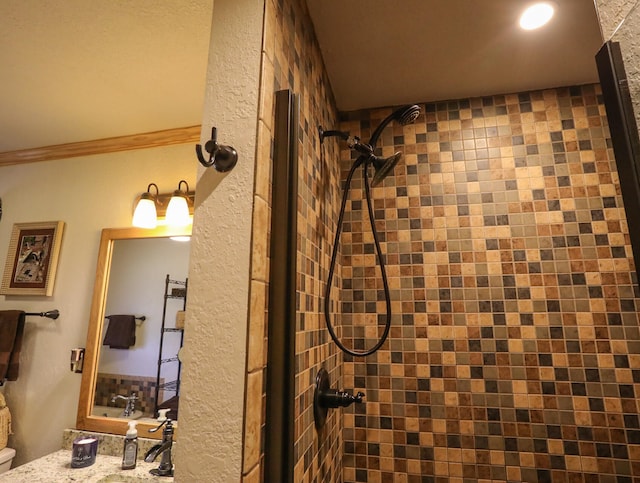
pixel 130 451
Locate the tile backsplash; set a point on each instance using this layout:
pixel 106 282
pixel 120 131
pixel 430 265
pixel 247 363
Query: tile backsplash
pixel 108 385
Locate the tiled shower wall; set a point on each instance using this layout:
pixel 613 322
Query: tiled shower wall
pixel 291 60
pixel 515 348
pixel 108 385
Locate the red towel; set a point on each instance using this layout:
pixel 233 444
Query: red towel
pixel 121 333
pixel 11 331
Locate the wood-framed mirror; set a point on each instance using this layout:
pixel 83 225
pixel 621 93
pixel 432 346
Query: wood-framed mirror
pixel 135 276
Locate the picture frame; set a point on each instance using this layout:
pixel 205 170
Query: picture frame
pixel 32 258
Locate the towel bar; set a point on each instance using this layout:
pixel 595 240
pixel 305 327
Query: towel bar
pixel 51 314
pixel 141 318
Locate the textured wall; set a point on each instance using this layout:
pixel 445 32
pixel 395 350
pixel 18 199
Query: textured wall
pixel 611 13
pixel 514 352
pixel 88 194
pixel 211 406
pixel 620 22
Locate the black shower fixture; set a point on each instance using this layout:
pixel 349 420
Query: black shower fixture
pixel 344 135
pixel 383 167
pixel 405 115
pixel 325 398
pixel 222 158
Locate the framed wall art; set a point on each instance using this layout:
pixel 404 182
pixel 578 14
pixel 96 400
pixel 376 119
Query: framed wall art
pixel 32 258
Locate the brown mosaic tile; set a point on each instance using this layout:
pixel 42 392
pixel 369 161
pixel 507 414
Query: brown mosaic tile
pixel 108 385
pixel 514 352
pixel 537 382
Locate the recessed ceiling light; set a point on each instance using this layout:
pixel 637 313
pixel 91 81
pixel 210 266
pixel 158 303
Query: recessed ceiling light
pixel 536 16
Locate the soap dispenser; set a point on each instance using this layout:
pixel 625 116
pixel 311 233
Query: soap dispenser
pixel 130 451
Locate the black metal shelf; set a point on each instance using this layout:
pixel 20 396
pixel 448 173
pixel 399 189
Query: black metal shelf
pixel 170 292
pixel 171 385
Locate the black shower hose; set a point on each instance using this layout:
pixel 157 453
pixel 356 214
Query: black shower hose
pixel 363 160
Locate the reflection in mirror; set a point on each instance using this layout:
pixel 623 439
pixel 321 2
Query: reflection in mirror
pixel 131 365
pixel 139 319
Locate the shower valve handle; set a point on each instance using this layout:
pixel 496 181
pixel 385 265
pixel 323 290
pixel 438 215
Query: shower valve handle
pixel 325 398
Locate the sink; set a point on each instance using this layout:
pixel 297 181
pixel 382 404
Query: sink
pixel 113 412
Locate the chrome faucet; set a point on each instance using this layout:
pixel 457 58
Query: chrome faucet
pixel 164 449
pixel 130 407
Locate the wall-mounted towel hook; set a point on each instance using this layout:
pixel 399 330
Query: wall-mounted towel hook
pixel 222 158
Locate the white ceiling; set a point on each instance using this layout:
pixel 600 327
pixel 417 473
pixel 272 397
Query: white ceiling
pixel 78 70
pixel 384 52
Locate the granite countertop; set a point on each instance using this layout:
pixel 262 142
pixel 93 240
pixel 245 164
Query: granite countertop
pixel 57 467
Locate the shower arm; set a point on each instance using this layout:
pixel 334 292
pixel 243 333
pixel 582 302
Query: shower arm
pixel 352 142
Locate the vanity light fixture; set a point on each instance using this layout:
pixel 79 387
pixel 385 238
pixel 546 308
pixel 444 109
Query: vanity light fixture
pixel 145 214
pixel 536 15
pixel 176 208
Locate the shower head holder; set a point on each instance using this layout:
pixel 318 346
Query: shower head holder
pixel 362 148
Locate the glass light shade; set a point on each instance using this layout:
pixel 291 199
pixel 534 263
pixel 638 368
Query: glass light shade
pixel 536 16
pixel 145 215
pixel 178 211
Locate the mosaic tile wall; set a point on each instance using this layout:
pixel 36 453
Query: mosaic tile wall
pixel 291 60
pixel 515 348
pixel 109 384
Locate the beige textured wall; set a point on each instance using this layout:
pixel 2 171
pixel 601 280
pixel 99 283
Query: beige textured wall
pixel 620 22
pixel 611 13
pixel 88 194
pixel 211 407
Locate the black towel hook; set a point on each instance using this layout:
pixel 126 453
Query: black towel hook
pixel 222 158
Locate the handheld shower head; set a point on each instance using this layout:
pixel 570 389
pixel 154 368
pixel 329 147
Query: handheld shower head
pixel 408 114
pixel 405 115
pixel 384 167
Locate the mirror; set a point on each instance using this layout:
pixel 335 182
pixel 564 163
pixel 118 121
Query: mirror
pixel 135 276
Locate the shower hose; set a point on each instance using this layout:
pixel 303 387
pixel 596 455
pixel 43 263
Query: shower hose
pixel 364 161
